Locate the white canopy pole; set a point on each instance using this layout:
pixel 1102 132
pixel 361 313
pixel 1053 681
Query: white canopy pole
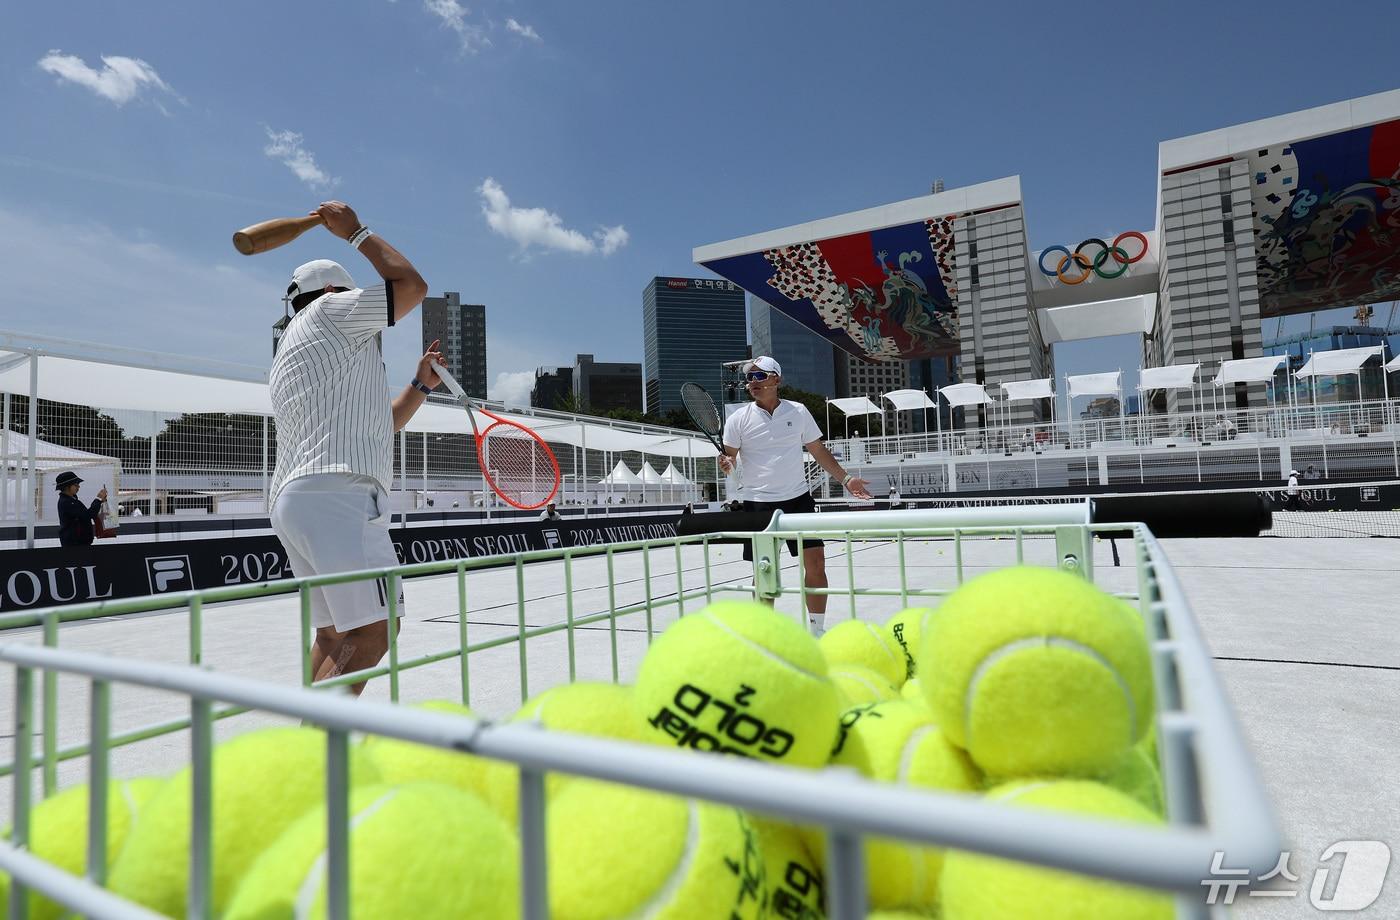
pixel 33 487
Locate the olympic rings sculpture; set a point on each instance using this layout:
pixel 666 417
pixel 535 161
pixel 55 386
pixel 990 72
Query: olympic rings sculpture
pixel 1094 265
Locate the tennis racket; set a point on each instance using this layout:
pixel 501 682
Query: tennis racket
pixel 515 462
pixel 705 414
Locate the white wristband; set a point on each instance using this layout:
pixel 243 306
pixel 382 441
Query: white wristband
pixel 847 481
pixel 358 239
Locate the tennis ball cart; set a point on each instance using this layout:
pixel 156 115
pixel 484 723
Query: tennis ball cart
pixel 64 710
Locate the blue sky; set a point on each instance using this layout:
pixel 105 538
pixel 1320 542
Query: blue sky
pixel 548 158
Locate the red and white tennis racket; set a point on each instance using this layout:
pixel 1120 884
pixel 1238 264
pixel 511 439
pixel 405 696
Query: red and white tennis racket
pixel 515 462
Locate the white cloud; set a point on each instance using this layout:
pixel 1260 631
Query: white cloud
pixel 523 31
pixel 454 16
pixel 120 80
pixel 512 388
pixel 84 281
pixel 539 227
pixel 286 147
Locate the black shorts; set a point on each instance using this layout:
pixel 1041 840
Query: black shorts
pixel 802 504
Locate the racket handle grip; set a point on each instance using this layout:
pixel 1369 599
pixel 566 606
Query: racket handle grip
pixel 451 381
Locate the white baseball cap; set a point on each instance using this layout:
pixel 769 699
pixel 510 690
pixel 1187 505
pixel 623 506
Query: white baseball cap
pixel 315 275
pixel 765 363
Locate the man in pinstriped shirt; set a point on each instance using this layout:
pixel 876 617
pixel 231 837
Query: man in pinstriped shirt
pixel 335 431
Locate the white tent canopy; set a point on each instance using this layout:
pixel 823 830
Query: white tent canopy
pixel 966 394
pixel 650 476
pixel 1393 364
pixel 1338 362
pixel 673 476
pixel 1017 390
pixel 118 378
pixel 904 400
pixel 1248 370
pixel 1095 384
pixel 856 405
pixel 1171 377
pixel 621 476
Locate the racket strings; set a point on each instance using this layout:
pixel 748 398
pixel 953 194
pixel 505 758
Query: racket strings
pixel 518 465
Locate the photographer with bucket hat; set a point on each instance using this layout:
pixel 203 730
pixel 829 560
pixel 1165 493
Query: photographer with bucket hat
pixel 75 518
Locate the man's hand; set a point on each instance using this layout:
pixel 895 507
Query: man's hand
pixel 102 494
pixel 858 487
pixel 427 374
pixel 339 217
pixel 726 464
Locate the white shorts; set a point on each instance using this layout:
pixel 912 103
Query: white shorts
pixel 333 522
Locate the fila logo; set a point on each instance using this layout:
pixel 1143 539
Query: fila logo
pixel 168 573
pixel 552 539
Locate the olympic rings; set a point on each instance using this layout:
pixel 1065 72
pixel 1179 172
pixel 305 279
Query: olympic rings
pixel 1094 265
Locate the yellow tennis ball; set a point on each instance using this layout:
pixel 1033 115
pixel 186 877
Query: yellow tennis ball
pixel 1034 671
pixel 913 691
pixel 858 686
pixel 977 887
pixel 739 678
pixel 263 781
pixel 897 742
pixel 58 834
pixel 584 708
pixel 906 628
pixel 399 762
pixel 420 850
pixel 865 644
pixel 617 851
pixel 795 887
pixel 1137 775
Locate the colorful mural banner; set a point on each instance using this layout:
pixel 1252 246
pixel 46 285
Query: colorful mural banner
pixel 1327 220
pixel 886 293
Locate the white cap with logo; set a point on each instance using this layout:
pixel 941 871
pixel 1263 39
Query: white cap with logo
pixel 765 363
pixel 316 275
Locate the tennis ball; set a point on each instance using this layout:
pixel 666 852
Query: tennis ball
pixel 867 645
pixel 263 781
pixel 421 850
pixel 399 762
pixel 795 888
pixel 58 834
pixel 857 685
pixel 1137 775
pixel 897 915
pixel 616 851
pixel 977 887
pixel 597 709
pixel 913 691
pixel 1034 671
pixel 906 628
pixel 739 678
pixel 898 742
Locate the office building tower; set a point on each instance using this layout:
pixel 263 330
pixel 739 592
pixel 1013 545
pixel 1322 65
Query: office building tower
pixel 602 386
pixel 461 330
pixel 690 327
pixel 807 359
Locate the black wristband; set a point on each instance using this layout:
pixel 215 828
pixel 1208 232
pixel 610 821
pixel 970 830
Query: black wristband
pixel 415 382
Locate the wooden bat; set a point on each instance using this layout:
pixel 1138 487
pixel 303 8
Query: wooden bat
pixel 273 233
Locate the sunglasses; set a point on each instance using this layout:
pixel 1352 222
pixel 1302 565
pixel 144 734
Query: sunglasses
pixel 755 376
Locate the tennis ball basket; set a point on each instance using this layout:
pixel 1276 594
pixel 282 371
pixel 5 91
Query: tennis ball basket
pixel 70 718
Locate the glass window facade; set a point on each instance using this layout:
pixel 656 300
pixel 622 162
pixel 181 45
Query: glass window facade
pixel 690 327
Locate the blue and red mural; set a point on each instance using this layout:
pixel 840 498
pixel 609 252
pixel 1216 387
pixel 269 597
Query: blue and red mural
pixel 886 293
pixel 1327 220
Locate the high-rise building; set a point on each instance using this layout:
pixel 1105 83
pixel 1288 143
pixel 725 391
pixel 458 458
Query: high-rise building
pixel 807 359
pixel 871 379
pixel 690 327
pixel 607 385
pixel 552 384
pixel 461 328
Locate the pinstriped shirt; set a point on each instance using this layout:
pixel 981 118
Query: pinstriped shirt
pixel 329 392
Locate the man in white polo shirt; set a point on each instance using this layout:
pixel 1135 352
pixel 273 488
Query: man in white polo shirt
pixel 768 435
pixel 335 439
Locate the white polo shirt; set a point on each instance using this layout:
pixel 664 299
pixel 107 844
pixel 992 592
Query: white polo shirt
pixel 770 449
pixel 329 391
